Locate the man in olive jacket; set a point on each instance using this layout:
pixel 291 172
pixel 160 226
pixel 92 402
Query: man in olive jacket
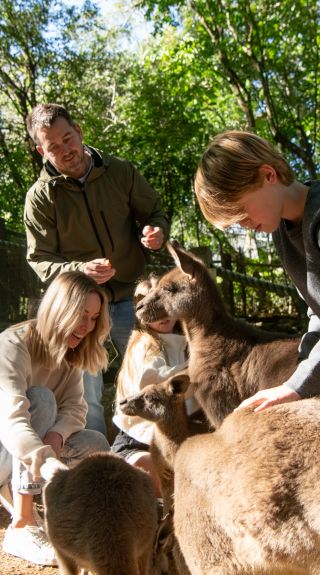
pixel 94 213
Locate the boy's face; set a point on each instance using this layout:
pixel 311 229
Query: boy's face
pixel 263 207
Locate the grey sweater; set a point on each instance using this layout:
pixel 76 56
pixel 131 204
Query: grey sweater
pixel 299 251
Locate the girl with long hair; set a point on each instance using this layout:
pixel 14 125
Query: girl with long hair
pixel 155 352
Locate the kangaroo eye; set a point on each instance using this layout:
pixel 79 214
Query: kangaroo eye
pixel 172 288
pixel 151 399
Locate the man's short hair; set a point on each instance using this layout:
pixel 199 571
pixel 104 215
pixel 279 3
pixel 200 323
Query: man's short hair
pixel 44 116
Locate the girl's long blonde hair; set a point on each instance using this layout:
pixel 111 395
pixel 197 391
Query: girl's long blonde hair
pixel 140 334
pixel 59 313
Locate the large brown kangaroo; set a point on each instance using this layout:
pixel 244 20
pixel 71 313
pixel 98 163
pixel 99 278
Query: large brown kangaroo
pixel 247 496
pixel 229 359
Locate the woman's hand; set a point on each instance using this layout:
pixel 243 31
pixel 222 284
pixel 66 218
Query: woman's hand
pixel 267 397
pixel 49 468
pixel 55 440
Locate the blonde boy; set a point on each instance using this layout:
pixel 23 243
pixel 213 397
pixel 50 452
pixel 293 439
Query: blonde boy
pixel 242 179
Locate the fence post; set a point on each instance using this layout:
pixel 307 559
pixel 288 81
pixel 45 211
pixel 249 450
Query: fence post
pixel 227 283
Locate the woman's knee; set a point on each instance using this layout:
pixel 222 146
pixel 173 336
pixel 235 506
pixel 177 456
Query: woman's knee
pixel 43 409
pixel 82 444
pixel 93 440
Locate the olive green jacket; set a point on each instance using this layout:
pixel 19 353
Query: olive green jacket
pixel 69 223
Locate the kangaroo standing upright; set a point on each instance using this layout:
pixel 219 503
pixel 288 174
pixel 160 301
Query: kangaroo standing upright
pixel 229 360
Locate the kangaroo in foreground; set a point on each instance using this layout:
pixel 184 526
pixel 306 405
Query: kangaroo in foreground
pixel 102 516
pixel 247 497
pixel 230 360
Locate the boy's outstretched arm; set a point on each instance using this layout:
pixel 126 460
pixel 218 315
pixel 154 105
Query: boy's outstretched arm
pixel 267 397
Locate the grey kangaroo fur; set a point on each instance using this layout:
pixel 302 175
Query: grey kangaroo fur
pixel 102 516
pixel 247 497
pixel 229 359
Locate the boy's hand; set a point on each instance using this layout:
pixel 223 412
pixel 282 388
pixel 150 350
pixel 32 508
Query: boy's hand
pixel 267 397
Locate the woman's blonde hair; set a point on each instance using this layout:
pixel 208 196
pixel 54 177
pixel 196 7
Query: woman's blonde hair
pixel 229 167
pixel 59 313
pixel 148 338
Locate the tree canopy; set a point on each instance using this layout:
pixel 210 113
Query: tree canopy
pixel 210 65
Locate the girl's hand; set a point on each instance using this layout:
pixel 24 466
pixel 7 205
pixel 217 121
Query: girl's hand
pixel 267 397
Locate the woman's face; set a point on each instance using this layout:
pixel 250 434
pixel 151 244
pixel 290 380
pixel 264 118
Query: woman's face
pixel 165 325
pixel 88 320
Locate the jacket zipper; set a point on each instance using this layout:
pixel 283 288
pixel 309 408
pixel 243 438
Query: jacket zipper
pixel 93 222
pixel 107 230
pixel 107 285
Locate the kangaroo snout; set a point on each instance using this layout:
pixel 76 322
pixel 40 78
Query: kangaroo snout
pixel 130 405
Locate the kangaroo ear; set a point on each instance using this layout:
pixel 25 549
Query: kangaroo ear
pixel 179 384
pixel 183 260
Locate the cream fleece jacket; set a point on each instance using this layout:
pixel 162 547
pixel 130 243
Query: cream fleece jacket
pixel 17 374
pixel 151 370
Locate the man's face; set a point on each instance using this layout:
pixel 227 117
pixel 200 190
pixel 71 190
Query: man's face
pixel 61 144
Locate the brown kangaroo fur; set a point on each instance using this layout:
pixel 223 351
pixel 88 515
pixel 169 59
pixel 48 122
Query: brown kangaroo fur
pixel 102 516
pixel 247 497
pixel 229 359
pixel 164 404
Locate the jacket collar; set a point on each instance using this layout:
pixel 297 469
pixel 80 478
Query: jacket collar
pixel 100 161
pixel 96 156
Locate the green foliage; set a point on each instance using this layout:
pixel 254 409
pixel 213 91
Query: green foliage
pixel 48 52
pixel 267 54
pixel 210 65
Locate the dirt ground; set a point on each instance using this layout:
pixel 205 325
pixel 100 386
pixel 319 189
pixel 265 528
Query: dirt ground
pixel 10 565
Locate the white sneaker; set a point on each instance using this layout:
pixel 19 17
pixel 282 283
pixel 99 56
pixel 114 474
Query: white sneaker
pixel 29 543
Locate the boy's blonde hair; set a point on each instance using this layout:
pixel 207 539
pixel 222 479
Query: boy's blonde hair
pixel 59 313
pixel 229 167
